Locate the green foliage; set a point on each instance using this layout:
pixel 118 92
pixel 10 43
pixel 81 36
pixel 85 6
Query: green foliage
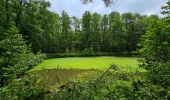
pixel 110 86
pixel 35 60
pixel 116 31
pixel 86 29
pixel 155 53
pixel 13 55
pixel 159 74
pixel 106 2
pixel 28 26
pixel 155 44
pixel 29 87
pixel 134 26
pixel 149 91
pixel 16 56
pixel 88 51
pixel 47 32
pixel 95 36
pixel 166 11
pixel 66 43
pixel 13 47
pixel 106 86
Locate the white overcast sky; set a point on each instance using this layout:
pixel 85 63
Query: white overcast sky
pixel 76 8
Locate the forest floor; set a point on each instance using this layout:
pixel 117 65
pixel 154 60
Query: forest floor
pixel 62 70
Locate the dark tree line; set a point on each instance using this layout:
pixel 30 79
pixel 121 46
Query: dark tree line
pixel 48 32
pixel 93 32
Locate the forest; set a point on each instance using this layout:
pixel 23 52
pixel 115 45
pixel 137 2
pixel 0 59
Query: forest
pixel 50 56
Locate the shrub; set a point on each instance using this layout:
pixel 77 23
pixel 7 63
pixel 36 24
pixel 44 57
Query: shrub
pixel 30 87
pixel 35 60
pixel 159 74
pixel 150 92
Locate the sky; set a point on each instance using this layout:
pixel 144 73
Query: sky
pixel 76 8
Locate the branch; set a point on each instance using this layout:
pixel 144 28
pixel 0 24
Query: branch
pixel 106 2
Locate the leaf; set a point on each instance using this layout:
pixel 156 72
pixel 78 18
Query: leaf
pixel 165 43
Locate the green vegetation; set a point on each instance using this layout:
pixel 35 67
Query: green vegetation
pixel 83 68
pixel 102 63
pixel 28 28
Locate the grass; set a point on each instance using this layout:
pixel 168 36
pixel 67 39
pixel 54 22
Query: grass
pixel 83 68
pixel 100 63
pixel 62 76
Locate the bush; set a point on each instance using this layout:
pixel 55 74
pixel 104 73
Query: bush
pixel 85 54
pixel 30 87
pixel 35 60
pixel 108 86
pixel 150 92
pixel 159 74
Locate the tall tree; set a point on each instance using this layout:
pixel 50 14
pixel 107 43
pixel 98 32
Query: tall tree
pixel 105 33
pixel 155 49
pixel 14 55
pixel 166 11
pixel 31 23
pixel 52 32
pixel 66 28
pixel 95 36
pixel 155 44
pixel 86 29
pixel 116 30
pixel 166 31
pixel 128 20
pixel 76 33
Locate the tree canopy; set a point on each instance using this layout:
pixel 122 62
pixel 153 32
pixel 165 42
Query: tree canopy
pixel 106 2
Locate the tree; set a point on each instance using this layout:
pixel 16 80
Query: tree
pixel 153 43
pixel 86 29
pixel 95 36
pixel 106 2
pixel 66 31
pixel 105 33
pixel 116 30
pixel 155 50
pixel 140 26
pixel 166 11
pixel 15 52
pixel 15 56
pixel 156 42
pixel 76 33
pixel 52 31
pixel 31 22
pixel 166 21
pixel 166 31
pixel 128 20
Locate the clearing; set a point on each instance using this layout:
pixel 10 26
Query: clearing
pixel 83 68
pixel 100 63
